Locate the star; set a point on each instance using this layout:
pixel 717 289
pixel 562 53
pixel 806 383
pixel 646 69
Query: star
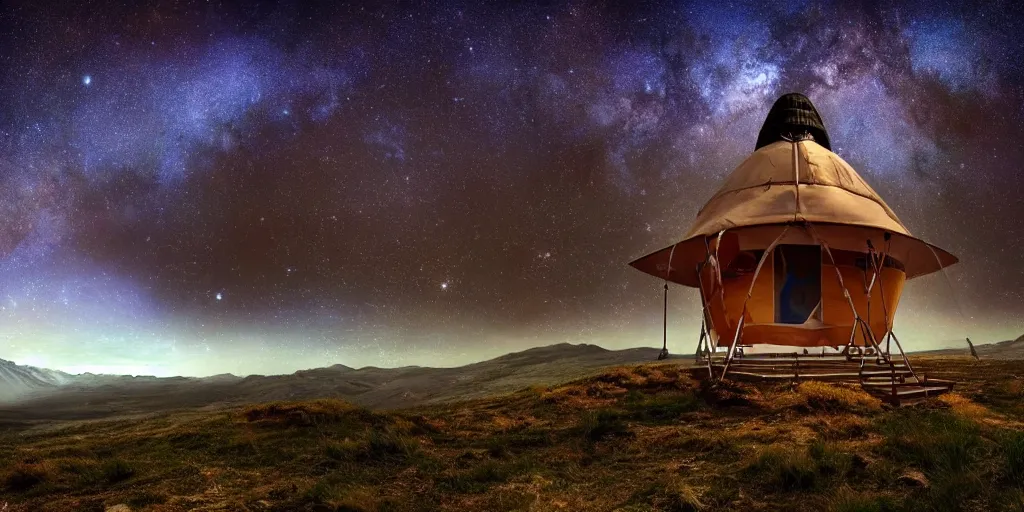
pixel 444 285
pixel 219 296
pixel 87 80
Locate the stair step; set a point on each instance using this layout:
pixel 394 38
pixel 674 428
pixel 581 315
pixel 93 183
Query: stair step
pixel 902 391
pixel 809 365
pixel 851 376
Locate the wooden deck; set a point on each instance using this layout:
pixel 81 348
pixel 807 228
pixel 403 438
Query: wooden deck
pixel 893 382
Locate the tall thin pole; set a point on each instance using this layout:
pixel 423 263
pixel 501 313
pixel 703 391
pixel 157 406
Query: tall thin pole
pixel 664 327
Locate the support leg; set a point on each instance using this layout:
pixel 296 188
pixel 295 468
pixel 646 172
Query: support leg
pixel 700 345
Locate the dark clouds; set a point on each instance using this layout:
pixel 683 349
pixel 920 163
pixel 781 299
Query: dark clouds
pixel 407 185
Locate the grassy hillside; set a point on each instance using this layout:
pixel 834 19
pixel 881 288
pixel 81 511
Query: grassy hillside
pixel 648 437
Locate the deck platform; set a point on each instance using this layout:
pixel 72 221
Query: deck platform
pixel 890 380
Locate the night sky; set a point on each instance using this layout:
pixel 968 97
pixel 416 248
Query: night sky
pixel 198 187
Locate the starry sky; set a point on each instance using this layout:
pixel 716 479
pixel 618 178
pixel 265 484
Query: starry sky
pixel 202 187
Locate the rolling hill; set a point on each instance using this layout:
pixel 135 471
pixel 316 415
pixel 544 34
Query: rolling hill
pixel 91 396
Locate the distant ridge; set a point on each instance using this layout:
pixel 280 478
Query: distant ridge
pixel 17 380
pixel 1009 349
pixel 89 396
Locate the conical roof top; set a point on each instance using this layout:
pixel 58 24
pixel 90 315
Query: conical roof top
pixel 792 116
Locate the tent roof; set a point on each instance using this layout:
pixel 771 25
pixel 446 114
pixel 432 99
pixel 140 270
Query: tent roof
pixel 765 189
pixel 795 179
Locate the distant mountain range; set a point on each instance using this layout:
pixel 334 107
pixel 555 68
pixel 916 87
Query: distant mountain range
pixel 37 394
pixel 1010 349
pixel 16 380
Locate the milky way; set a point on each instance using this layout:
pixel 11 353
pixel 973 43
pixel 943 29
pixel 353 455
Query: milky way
pixel 200 188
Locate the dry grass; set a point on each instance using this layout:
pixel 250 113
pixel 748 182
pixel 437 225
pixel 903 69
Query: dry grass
pixel 834 397
pixel 303 413
pixel 634 439
pixel 841 426
pixel 965 407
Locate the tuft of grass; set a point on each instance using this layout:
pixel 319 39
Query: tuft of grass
pixel 953 492
pixel 785 469
pixel 378 445
pixel 623 377
pixel 306 413
pixel 24 476
pixel 841 426
pixel 390 445
pixel 934 441
pixel 660 408
pixel 712 447
pixel 828 460
pixel 602 424
pixel 835 397
pixel 846 500
pixel 1011 447
pixel 721 496
pixel 116 470
pixel 964 407
pixel 670 494
pixel 1010 500
pixel 77 466
pixel 341 497
pixel 484 475
pixel 345 450
pixel 498 447
pixel 506 444
pixel 724 394
pixel 145 498
pixel 681 498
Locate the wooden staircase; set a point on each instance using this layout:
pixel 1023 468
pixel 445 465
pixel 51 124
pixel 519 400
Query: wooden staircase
pixel 909 390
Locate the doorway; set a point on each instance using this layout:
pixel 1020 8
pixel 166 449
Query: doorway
pixel 797 283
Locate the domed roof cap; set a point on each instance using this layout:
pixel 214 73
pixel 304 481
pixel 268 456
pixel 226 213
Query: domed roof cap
pixel 793 117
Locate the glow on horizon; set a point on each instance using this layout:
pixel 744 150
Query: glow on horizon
pixel 240 361
pixel 926 320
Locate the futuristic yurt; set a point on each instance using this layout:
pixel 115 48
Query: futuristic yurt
pixel 800 266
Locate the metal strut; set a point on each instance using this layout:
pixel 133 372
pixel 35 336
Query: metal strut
pixel 700 344
pixel 858 322
pixel 743 312
pixel 706 324
pixel 890 335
